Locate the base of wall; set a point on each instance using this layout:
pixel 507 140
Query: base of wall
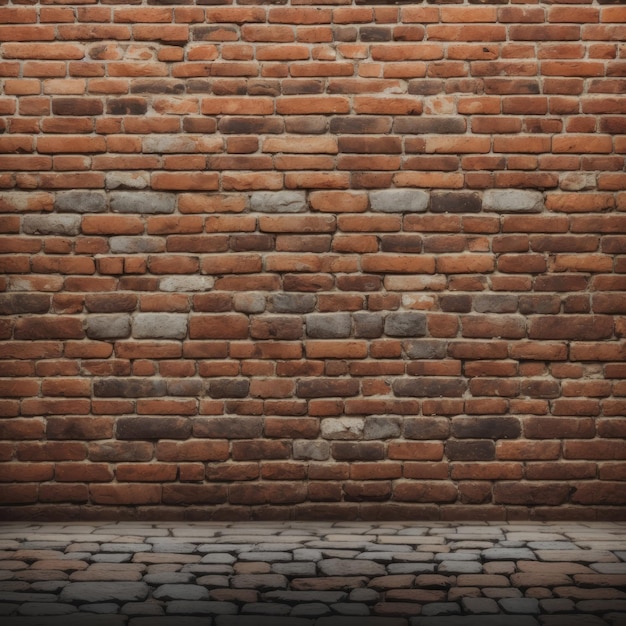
pixel 309 512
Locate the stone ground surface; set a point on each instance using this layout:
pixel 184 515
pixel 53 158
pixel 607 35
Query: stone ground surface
pixel 313 574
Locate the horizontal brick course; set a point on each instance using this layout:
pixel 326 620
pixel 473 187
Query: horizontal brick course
pixel 261 256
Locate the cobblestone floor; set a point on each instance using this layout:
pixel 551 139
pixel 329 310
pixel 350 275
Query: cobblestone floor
pixel 313 574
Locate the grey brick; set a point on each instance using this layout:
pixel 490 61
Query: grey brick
pixel 425 348
pixel 328 325
pixel 136 245
pixel 405 324
pixel 142 202
pixel 278 201
pixel 186 283
pixel 513 201
pixel 293 302
pixel 304 449
pixel 368 325
pixel 346 428
pixel 80 202
pixel 382 427
pixel 127 180
pixel 51 224
pixel 495 303
pixel 108 326
pixel 160 326
pixel 399 201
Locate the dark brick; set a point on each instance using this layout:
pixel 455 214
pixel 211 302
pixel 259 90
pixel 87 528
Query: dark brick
pixel 429 387
pixel 357 451
pixel 250 125
pixel 129 387
pixel 327 388
pixel 429 125
pixel 401 243
pixel 228 388
pixel 16 303
pixel 153 428
pixel 127 106
pixel 529 494
pixel 77 106
pixel 177 494
pixel 110 302
pixel 234 427
pixel 260 449
pixel 486 427
pixel 540 388
pixel 455 303
pixel 575 327
pixel 455 202
pixel 470 450
pixel 424 491
pixel 375 33
pixel 360 125
pixel 170 86
pixel 426 427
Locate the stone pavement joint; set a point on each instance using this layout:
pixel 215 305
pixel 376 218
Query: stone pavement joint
pixel 313 574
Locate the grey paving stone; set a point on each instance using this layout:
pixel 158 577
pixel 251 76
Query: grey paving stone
pixel 260 620
pixel 523 606
pixel 104 592
pixel 340 620
pixel 311 609
pixel 441 608
pixel 142 608
pixel 125 547
pixel 259 581
pixel 46 608
pixel 199 607
pixel 557 605
pixel 344 567
pixel 480 606
pixel 350 608
pixel 294 569
pixel 75 619
pixel 16 596
pixel 508 554
pixel 100 608
pixel 119 557
pixel 164 578
pixel 609 568
pixel 170 621
pixel 178 548
pixel 219 557
pixel 294 597
pixel 180 592
pixel 475 620
pixel 460 567
pixel 368 596
pixel 267 557
pixel 265 608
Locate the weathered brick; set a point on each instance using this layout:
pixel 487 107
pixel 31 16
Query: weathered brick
pixel 153 428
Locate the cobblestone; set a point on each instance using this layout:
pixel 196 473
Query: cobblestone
pixel 308 574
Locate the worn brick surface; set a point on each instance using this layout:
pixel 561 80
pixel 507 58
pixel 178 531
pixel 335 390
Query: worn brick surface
pixel 372 251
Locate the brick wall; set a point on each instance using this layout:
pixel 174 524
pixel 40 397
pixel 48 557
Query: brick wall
pixel 270 260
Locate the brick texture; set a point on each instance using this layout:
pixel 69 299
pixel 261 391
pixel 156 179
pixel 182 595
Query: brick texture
pixel 288 260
